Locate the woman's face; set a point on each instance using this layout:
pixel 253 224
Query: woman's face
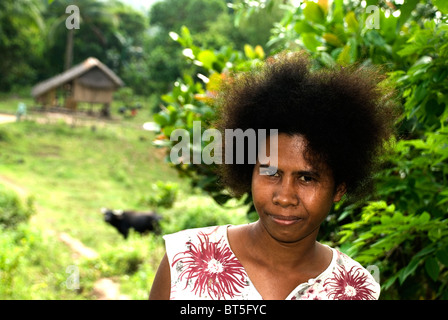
pixel 295 200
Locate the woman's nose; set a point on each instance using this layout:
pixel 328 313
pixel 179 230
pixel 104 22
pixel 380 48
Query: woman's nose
pixel 286 194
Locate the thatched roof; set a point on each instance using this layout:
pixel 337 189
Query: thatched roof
pixel 73 73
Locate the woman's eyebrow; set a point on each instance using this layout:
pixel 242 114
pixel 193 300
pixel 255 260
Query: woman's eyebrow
pixel 310 172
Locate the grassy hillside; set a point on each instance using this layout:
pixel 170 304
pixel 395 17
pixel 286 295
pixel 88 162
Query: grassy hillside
pixel 70 173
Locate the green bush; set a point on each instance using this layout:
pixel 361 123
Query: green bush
pixel 162 195
pixel 5 135
pixel 132 263
pixel 406 232
pixel 28 268
pixel 12 210
pixel 10 257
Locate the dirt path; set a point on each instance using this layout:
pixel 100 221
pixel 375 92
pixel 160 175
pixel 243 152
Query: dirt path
pixel 22 192
pixel 54 117
pixel 104 288
pixel 5 118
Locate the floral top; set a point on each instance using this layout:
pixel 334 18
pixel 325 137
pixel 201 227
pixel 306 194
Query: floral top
pixel 203 266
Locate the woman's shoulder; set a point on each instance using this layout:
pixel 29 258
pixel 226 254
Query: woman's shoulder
pixel 191 234
pixel 183 240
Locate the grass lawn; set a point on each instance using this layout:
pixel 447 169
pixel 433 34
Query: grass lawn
pixel 71 172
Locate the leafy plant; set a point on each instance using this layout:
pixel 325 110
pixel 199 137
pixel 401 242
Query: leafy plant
pixel 407 235
pixel 162 195
pixel 12 210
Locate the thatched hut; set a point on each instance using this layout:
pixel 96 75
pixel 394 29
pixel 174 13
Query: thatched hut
pixel 90 81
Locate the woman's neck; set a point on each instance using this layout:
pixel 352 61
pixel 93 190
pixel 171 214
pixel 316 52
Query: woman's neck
pixel 283 254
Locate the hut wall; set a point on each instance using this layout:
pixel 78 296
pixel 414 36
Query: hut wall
pixel 82 93
pixel 48 98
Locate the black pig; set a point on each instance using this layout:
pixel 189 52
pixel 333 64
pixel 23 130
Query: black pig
pixel 124 220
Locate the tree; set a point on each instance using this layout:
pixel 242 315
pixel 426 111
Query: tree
pixel 210 24
pixel 95 24
pixel 112 32
pixel 21 26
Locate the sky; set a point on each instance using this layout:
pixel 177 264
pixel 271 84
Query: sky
pixel 140 4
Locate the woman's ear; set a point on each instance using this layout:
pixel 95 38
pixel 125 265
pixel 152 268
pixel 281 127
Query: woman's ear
pixel 341 189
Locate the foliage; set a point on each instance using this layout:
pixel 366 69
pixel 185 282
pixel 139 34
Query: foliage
pixel 162 195
pixel 408 246
pixel 13 247
pixel 211 27
pixel 424 84
pixel 17 62
pixel 408 237
pixel 32 265
pixel 402 227
pixel 12 210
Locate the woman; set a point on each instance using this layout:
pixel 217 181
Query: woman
pixel 331 128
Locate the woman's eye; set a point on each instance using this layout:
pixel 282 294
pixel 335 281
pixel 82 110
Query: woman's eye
pixel 305 179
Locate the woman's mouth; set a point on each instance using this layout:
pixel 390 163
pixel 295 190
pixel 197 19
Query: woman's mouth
pixel 284 220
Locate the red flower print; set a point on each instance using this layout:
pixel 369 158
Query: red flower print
pixel 212 267
pixel 351 285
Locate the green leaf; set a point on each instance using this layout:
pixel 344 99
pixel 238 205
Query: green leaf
pixel 351 21
pixel 161 120
pixel 328 61
pixel 310 41
pixel 332 39
pixel 432 268
pixel 186 36
pixel 408 270
pixel 442 256
pixel 303 26
pixel 207 57
pixel 313 12
pixel 344 57
pixel 424 251
pixel 406 10
pixel 168 98
pixel 442 5
pixel 408 50
pixel 167 130
pixel 249 51
pixel 435 234
pixel 390 282
pixel 424 218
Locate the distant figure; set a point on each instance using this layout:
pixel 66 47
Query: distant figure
pixel 139 221
pixel 21 111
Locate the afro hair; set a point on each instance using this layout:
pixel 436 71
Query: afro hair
pixel 344 114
